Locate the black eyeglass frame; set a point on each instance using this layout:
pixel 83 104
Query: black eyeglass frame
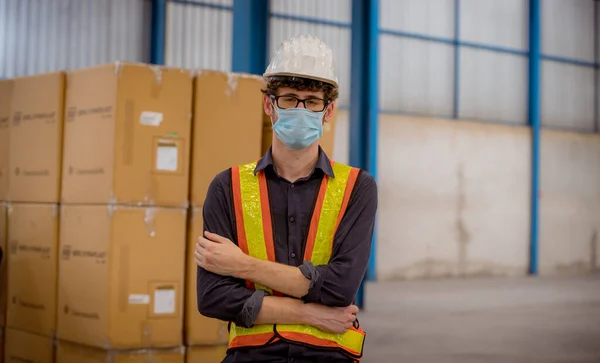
pixel 303 101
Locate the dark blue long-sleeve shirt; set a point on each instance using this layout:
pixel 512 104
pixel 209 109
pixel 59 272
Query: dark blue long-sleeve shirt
pixel 334 284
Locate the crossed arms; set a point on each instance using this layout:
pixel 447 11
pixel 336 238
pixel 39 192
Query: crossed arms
pixel 319 295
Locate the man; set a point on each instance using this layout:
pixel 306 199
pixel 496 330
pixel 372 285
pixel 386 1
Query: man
pixel 301 228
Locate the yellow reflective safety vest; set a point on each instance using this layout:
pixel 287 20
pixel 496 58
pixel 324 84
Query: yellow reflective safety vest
pixel 255 238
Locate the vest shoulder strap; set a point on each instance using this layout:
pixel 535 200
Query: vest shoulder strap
pixel 332 202
pixel 252 215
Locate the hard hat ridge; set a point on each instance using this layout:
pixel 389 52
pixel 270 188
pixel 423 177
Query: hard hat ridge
pixel 304 56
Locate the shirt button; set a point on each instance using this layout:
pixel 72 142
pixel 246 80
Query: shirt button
pixel 292 219
pixel 293 255
pixel 293 186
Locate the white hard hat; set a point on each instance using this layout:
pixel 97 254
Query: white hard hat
pixel 304 56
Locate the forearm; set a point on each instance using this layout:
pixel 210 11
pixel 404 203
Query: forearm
pixel 282 310
pixel 288 280
pixel 220 297
pixel 285 310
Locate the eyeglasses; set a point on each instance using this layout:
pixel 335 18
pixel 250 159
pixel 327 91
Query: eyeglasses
pixel 313 104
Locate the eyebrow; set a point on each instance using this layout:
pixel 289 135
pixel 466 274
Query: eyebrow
pixel 296 95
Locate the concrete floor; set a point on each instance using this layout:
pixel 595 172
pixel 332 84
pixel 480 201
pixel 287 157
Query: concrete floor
pixel 523 320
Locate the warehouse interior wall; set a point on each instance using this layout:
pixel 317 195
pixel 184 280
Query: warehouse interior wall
pixel 464 205
pixel 454 142
pixel 199 37
pixel 570 202
pixel 47 36
pixel 455 182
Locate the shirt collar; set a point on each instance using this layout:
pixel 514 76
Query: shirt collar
pixel 323 163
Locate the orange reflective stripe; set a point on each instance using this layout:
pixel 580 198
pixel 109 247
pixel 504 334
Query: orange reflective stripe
pixel 266 216
pixel 239 215
pixel 252 210
pixel 252 340
pixel 351 341
pixel 314 221
pixel 255 336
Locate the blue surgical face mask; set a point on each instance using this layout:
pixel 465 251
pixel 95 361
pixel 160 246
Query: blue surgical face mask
pixel 298 128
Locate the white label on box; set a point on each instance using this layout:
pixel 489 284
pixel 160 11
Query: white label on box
pixel 166 157
pixel 151 118
pixel 164 301
pixel 139 299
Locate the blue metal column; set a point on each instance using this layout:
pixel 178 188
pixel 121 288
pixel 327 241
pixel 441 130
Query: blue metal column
pixel 250 32
pixel 364 107
pixel 534 121
pixel 158 31
pixel 597 69
pixel 456 100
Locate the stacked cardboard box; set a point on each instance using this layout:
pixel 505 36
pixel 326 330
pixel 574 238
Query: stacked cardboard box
pixel 35 138
pixel 32 189
pixel 226 107
pixel 206 354
pixel 95 170
pixel 124 207
pixel 6 87
pixel 3 263
pixel 5 99
pixel 22 346
pixel 32 268
pixel 73 353
pixel 3 280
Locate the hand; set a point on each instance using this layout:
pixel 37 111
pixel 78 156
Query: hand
pixel 330 319
pixel 219 255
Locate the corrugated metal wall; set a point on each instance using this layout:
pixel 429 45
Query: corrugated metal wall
pixel 568 31
pixel 493 84
pixel 422 71
pixel 329 20
pixel 199 34
pixel 415 75
pixel 41 35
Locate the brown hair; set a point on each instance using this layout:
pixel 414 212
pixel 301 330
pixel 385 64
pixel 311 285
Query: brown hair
pixel 274 83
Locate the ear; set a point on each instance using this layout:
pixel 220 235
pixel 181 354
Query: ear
pixel 330 110
pixel 267 105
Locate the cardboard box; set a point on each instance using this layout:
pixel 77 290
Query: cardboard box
pixel 72 353
pixel 201 354
pixel 227 127
pixel 3 263
pixel 127 135
pixel 32 267
pixel 1 345
pixel 199 329
pixel 326 141
pixel 6 86
pixel 121 276
pixel 36 130
pixel 26 347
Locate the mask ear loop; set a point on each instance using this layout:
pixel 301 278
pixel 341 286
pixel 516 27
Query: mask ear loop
pixel 326 112
pixel 274 108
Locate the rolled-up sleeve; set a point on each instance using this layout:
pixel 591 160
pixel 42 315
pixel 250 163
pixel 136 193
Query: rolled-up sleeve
pixel 221 297
pixel 336 283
